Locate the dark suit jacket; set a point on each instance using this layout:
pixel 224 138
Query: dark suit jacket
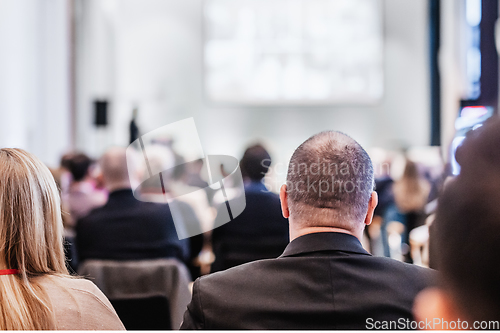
pixel 128 229
pixel 322 281
pixel 260 232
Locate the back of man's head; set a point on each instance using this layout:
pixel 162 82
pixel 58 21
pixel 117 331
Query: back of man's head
pixel 78 166
pixel 329 182
pixel 255 162
pixel 467 227
pixel 114 168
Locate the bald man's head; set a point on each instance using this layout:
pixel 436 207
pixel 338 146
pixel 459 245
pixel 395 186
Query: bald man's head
pixel 330 181
pixel 114 168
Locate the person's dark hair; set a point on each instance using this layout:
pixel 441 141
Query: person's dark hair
pixel 65 160
pixel 255 162
pixel 467 226
pixel 78 166
pixel 330 180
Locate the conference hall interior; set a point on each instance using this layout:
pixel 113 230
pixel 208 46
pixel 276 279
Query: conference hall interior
pixel 249 164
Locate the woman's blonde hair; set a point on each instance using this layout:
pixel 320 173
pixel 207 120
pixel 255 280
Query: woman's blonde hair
pixel 30 240
pixel 412 190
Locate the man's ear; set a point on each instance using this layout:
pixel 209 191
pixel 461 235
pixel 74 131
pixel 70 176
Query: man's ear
pixel 372 203
pixel 433 305
pixel 284 201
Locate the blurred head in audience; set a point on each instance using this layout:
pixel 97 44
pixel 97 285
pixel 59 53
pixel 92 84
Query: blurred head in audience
pixel 114 169
pixel 255 163
pixel 329 186
pixel 466 232
pixel 31 237
pixel 78 165
pixel 412 190
pixel 65 160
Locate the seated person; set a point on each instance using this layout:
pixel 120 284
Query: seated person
pixel 37 291
pixel 152 190
pixel 465 236
pixel 261 231
pixel 324 279
pixel 82 196
pixel 79 199
pixel 126 228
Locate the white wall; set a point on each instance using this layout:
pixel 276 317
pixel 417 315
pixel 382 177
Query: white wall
pixel 34 79
pixel 150 52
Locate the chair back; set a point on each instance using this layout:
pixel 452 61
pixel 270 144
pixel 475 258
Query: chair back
pixel 146 294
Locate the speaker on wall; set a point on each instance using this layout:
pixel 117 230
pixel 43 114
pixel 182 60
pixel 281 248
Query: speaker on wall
pixel 101 112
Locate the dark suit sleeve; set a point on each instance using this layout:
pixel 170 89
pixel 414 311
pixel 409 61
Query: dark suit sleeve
pixel 194 318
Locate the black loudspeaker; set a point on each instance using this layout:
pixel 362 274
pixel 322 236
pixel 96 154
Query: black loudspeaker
pixel 101 113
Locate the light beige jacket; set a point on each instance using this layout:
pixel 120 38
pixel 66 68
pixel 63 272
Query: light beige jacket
pixel 79 304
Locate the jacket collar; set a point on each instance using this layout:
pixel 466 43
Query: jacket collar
pixel 324 241
pixel 255 186
pixel 120 194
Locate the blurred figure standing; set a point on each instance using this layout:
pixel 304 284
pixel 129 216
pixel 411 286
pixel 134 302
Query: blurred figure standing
pixel 411 193
pixel 134 129
pixel 261 231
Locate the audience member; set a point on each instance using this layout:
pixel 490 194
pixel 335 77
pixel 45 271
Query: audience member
pixel 465 237
pixel 37 292
pixel 377 230
pixel 154 190
pixel 81 197
pixel 410 195
pixel 193 178
pixel 260 232
pixel 125 228
pixel 324 279
pixel 197 198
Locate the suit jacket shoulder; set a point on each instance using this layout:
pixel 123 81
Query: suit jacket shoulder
pixel 330 285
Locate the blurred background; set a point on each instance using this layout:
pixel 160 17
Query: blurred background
pixel 389 73
pixel 406 79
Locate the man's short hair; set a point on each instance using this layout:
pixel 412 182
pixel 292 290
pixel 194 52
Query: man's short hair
pixel 467 226
pixel 78 166
pixel 330 181
pixel 113 165
pixel 255 162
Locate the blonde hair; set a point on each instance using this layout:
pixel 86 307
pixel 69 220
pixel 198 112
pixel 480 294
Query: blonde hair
pixel 412 190
pixel 30 240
